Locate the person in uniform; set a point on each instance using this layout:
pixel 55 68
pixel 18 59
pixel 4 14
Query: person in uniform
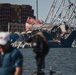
pixel 40 48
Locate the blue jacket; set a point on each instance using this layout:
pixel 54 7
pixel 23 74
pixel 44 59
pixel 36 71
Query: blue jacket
pixel 12 59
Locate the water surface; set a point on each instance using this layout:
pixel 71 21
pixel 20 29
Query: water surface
pixel 60 59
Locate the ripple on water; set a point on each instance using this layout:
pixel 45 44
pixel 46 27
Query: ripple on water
pixel 60 59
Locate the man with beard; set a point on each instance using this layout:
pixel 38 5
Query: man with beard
pixel 11 59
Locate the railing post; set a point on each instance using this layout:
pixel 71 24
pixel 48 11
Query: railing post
pixel 51 71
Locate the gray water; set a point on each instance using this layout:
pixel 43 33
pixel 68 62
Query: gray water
pixel 61 60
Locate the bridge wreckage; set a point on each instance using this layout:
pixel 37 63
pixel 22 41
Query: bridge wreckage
pixel 59 27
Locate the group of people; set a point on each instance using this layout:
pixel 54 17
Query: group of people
pixel 11 59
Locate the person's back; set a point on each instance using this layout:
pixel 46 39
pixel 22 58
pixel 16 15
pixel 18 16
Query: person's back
pixel 40 48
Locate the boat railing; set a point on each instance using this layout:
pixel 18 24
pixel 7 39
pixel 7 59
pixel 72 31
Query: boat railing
pixel 21 44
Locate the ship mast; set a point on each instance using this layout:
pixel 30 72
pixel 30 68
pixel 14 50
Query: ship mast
pixel 36 8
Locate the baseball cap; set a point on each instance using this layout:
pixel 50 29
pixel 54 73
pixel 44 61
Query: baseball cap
pixel 4 38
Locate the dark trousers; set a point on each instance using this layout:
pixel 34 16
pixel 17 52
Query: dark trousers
pixel 40 61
